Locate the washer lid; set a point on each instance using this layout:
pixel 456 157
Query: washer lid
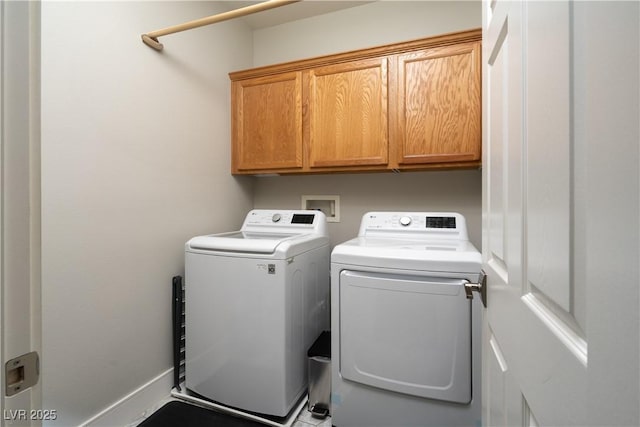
pixel 241 241
pixel 455 256
pixel 267 231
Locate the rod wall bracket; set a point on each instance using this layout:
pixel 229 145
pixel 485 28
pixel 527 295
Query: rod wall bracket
pixel 152 42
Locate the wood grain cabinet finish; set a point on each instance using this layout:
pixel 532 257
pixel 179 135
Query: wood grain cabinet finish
pixel 439 106
pixel 348 114
pixel 411 105
pixel 267 123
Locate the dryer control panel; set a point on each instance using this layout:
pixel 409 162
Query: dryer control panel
pixel 448 225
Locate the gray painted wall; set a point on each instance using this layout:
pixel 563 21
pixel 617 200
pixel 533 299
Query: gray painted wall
pixel 135 161
pixel 372 24
pixel 458 191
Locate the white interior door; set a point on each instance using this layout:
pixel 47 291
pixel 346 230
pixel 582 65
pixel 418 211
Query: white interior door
pixel 20 213
pixel 561 213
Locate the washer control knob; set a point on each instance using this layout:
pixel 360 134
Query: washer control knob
pixel 405 220
pixel 276 217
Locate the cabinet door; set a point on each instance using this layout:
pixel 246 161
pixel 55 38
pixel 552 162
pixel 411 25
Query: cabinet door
pixel 347 121
pixel 267 123
pixel 438 118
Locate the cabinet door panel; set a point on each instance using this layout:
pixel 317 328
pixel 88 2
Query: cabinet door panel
pixel 348 114
pixel 268 123
pixel 439 105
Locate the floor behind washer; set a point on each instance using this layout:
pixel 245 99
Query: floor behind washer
pixel 304 418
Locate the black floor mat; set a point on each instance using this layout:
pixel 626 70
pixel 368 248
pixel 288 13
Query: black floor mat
pixel 180 414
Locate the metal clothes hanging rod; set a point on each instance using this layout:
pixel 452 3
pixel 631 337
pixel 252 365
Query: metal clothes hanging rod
pixel 151 39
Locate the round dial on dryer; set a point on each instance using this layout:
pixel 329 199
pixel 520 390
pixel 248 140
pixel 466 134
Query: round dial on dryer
pixel 405 220
pixel 276 217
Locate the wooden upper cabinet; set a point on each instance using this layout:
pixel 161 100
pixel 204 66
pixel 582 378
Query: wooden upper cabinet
pixel 439 108
pixel 347 114
pixel 267 123
pixel 410 105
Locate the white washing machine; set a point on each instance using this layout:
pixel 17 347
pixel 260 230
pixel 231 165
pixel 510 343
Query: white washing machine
pixel 406 342
pixel 255 300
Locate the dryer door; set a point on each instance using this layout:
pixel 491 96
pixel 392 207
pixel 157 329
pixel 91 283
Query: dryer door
pixel 407 334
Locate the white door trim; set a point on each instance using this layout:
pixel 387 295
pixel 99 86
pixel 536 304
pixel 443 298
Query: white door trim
pixel 20 258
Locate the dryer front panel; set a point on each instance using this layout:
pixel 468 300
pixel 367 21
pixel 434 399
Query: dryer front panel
pixel 407 334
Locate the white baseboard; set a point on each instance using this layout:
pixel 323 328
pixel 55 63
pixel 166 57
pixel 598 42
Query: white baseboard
pixel 135 406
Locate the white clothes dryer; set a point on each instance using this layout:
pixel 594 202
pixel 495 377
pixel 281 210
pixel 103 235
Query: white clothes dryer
pixel 255 300
pixel 406 342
